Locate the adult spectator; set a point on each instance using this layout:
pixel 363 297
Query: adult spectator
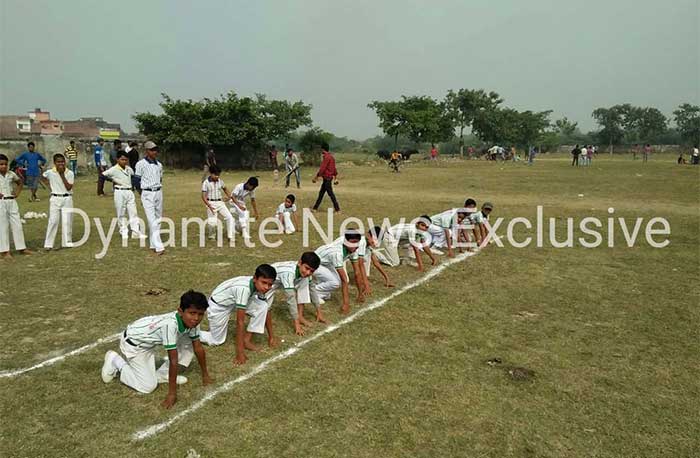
pixel 33 162
pixel 647 152
pixel 576 152
pixel 116 148
pixel 132 154
pixel 328 173
pixel 101 165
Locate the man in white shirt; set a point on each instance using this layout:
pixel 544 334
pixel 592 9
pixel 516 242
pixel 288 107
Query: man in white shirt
pixel 238 205
pixel 60 181
pixel 124 199
pixel 149 176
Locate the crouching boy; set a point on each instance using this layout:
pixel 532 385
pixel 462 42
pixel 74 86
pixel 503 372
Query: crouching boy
pixel 242 296
pixel 177 332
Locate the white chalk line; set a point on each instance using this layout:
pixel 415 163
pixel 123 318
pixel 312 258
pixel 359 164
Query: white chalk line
pixel 160 427
pixel 59 358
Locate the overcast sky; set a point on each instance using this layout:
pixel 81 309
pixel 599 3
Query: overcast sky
pixel 112 59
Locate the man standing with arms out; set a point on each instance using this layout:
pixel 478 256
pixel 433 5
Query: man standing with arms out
pixel 328 173
pixel 291 164
pixel 149 177
pixel 72 154
pixel 33 161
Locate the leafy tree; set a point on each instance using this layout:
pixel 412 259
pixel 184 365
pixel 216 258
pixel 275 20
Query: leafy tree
pixel 428 120
pixel 393 119
pixel 467 104
pixel 310 143
pixel 565 128
pixel 612 121
pixel 687 119
pixel 508 126
pixel 242 123
pixel 647 124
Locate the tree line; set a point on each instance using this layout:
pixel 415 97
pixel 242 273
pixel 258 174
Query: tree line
pixel 249 125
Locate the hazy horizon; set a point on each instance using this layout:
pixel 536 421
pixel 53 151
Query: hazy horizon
pixel 112 60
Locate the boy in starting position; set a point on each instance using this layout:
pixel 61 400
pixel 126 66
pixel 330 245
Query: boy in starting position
pixel 293 277
pixel 408 236
pixel 246 296
pixel 177 332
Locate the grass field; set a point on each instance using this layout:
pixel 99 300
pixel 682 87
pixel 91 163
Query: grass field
pixel 611 333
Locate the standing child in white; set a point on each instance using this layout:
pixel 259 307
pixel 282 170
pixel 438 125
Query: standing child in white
pixel 177 332
pixel 60 182
pixel 9 210
pixel 124 201
pixel 238 206
pixel 287 214
pixel 213 193
pixel 149 177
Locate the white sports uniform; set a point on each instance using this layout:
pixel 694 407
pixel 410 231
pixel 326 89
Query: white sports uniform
pixel 151 175
pixel 231 295
pixel 140 342
pixel 441 222
pixel 295 287
pixel 9 214
pixel 399 236
pixel 240 210
pixel 286 213
pixel 326 278
pixel 215 196
pixel 60 198
pixel 124 199
pixel 363 252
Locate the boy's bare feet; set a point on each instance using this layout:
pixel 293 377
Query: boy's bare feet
pixel 26 252
pixel 273 342
pixel 304 322
pixel 320 318
pixel 6 255
pixel 345 309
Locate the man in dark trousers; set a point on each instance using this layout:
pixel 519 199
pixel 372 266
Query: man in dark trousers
pixel 327 172
pixel 576 152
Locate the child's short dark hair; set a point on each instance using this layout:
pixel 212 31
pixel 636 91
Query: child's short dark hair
pixel 215 170
pixel 253 181
pixel 30 144
pixel 325 147
pixel 58 157
pixel 193 299
pixel 353 236
pixel 376 232
pixel 311 259
pixel 4 158
pixel 425 219
pixel 122 154
pixel 291 198
pixel 470 202
pixel 265 271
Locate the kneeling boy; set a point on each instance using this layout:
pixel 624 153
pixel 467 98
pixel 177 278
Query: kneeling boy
pixel 177 332
pixel 245 295
pixel 293 277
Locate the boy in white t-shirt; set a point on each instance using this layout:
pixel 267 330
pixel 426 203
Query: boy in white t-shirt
pixel 238 206
pixel 10 188
pixel 287 214
pixel 60 181
pixel 213 193
pixel 124 199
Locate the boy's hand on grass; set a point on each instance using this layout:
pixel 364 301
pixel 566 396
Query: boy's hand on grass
pixel 450 253
pixel 298 330
pixel 272 342
pixel 389 284
pixel 240 360
pixel 170 400
pixel 207 380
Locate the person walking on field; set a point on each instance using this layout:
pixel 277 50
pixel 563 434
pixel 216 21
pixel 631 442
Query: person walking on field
pixel 328 173
pixel 647 152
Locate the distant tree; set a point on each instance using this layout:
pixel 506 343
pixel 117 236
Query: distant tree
pixel 565 128
pixel 393 119
pixel 243 123
pixel 466 104
pixel 428 120
pixel 310 143
pixel 507 126
pixel 612 122
pixel 687 119
pixel 646 125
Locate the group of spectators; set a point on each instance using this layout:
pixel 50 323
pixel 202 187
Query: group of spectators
pixel 583 155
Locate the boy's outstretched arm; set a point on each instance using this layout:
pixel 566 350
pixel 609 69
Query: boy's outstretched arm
pixel 430 254
pixel 448 238
pixel 255 208
pixel 345 288
pixel 378 265
pixel 171 398
pixel 240 334
pixel 294 310
pixel 360 280
pixel 271 340
pixel 366 286
pixel 419 259
pixel 202 360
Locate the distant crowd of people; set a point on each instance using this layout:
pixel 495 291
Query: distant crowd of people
pixel 583 156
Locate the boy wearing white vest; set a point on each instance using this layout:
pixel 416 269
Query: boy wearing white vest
pixel 60 181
